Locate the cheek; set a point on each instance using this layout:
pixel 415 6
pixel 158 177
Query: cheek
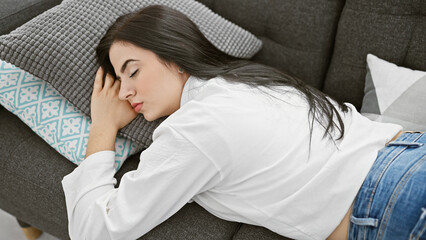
pixel 150 80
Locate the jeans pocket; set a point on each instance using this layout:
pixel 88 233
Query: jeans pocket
pixel 419 230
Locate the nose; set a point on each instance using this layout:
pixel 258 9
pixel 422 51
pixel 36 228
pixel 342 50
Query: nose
pixel 126 91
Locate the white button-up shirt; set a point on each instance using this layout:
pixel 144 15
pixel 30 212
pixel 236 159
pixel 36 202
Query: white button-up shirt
pixel 240 153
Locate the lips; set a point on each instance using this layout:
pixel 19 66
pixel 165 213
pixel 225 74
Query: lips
pixel 137 106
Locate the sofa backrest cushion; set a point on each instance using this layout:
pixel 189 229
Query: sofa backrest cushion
pixel 392 30
pixel 297 35
pixel 15 13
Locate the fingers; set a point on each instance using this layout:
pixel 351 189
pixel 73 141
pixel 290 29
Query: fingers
pixel 116 85
pixel 97 86
pixel 109 81
pixel 103 83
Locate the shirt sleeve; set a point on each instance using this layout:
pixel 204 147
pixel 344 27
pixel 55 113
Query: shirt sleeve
pixel 171 171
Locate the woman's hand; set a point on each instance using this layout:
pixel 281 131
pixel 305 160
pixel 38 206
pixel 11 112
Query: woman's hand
pixel 107 110
pixel 109 114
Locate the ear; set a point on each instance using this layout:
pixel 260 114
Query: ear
pixel 175 68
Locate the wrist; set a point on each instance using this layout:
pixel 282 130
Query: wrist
pixel 108 134
pixel 101 138
pixel 107 129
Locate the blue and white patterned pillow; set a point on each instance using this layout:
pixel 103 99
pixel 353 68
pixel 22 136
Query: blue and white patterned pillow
pixel 51 116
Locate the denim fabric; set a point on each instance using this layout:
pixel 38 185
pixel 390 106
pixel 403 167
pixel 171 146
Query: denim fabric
pixel 391 203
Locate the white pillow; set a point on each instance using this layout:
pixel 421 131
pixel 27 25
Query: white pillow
pixel 394 94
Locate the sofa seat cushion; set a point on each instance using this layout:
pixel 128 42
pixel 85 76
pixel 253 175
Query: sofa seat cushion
pixel 192 222
pixel 30 175
pixel 247 231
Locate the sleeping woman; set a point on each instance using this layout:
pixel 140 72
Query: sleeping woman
pixel 246 142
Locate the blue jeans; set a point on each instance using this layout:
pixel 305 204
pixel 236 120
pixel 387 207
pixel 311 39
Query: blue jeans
pixel 391 203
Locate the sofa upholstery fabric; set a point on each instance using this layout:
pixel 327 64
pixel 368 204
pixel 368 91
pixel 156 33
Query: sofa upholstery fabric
pixel 15 13
pixel 392 30
pixel 297 35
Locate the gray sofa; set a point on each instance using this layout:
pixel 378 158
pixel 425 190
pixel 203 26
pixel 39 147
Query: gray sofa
pixel 323 42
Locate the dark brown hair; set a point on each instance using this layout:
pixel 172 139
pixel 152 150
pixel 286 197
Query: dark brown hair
pixel 174 38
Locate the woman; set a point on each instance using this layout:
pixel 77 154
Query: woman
pixel 245 141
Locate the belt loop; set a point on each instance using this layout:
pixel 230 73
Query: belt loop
pixel 374 222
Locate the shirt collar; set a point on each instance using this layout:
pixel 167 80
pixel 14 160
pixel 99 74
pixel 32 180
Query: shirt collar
pixel 191 89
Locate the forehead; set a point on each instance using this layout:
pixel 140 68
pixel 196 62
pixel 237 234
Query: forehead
pixel 120 51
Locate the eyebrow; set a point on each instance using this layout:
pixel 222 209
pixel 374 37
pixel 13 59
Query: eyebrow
pixel 125 64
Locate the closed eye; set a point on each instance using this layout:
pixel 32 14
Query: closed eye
pixel 133 74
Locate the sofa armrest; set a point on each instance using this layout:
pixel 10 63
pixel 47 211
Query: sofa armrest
pixel 15 13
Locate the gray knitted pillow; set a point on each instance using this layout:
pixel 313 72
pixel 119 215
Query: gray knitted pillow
pixel 58 46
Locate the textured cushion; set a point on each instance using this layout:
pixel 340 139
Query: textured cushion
pixel 395 94
pixel 51 116
pixel 59 46
pixel 15 13
pixel 297 35
pixel 393 30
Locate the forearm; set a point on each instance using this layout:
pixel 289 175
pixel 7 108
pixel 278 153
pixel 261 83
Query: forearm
pixel 87 191
pixel 101 138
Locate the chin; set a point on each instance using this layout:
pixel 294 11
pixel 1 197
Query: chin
pixel 150 118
